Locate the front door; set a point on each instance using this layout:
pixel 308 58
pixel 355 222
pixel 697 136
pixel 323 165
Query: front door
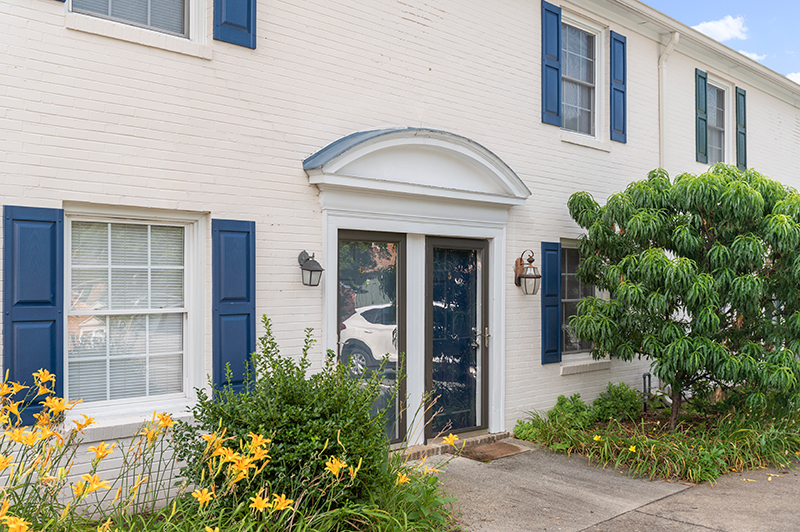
pixel 457 335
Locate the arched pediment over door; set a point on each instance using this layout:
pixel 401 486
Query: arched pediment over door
pixel 419 162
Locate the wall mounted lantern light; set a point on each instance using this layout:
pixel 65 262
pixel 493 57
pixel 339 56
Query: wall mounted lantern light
pixel 312 271
pixel 527 276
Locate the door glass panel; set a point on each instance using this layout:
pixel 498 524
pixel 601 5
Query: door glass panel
pixel 368 316
pixel 456 360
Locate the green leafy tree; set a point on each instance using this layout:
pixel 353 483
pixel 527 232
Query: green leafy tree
pixel 705 281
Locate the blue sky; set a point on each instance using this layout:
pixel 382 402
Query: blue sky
pixel 764 30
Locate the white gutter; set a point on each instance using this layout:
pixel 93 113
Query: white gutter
pixel 662 95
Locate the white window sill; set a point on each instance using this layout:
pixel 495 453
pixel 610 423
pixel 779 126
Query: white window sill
pixel 584 140
pixel 145 37
pixel 117 422
pixel 584 366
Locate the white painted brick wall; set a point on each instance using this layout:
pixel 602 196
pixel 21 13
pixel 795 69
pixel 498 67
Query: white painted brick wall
pixel 86 118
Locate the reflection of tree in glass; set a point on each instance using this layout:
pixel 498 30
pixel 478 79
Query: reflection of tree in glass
pixel 366 268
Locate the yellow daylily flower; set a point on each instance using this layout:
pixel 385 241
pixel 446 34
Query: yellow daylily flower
pixel 101 451
pixel 259 453
pixel 17 387
pixel 80 425
pixel 79 489
pixel 5 461
pixel 43 376
pixel 257 440
pixel 203 497
pixel 281 502
pixel 16 524
pixel 165 420
pixel 334 465
pixel 105 527
pixel 4 508
pixel 14 408
pixel 259 504
pixel 429 469
pixel 402 478
pixel 451 439
pixel 94 483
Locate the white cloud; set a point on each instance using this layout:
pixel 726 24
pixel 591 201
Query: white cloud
pixel 752 55
pixel 794 76
pixel 724 29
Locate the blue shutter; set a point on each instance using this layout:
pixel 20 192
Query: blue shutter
pixel 701 115
pixel 619 80
pixel 233 263
pixel 551 64
pixel 551 302
pixel 741 129
pixel 235 22
pixel 33 295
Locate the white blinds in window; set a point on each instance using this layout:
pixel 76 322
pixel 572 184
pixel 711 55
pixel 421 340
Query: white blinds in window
pixel 168 15
pixel 127 311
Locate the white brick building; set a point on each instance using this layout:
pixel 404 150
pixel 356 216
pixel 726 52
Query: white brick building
pixel 134 141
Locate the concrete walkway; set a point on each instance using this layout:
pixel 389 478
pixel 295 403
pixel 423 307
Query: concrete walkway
pixel 539 490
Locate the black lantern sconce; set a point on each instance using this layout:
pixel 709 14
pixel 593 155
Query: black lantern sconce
pixel 312 271
pixel 527 276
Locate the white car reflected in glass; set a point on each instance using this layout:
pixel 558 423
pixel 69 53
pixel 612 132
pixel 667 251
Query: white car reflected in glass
pixel 369 334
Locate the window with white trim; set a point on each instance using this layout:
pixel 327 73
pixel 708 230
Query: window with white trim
pixel 716 124
pixel 572 292
pixel 126 330
pixel 169 16
pixel 578 79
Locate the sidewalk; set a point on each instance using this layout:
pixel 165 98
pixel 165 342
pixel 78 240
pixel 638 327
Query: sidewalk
pixel 539 490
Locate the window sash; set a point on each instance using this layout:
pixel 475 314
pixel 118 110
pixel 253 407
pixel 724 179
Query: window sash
pixel 578 76
pixel 716 125
pixel 126 350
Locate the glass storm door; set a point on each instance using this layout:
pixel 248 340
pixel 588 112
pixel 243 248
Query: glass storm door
pixel 457 335
pixel 371 315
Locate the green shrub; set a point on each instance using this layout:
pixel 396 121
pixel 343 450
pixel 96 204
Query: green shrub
pixel 619 401
pixel 310 419
pixel 572 412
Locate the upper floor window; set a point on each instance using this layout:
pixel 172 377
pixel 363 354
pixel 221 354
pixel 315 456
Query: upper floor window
pixel 716 125
pixel 169 16
pixel 578 79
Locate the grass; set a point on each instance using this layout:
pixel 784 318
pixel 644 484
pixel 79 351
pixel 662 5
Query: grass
pixel 702 448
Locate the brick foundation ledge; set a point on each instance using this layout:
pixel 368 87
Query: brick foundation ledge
pixel 436 448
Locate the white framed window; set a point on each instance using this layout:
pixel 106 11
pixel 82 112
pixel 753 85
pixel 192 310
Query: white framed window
pixel 581 70
pixel 169 16
pixel 134 309
pixel 572 292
